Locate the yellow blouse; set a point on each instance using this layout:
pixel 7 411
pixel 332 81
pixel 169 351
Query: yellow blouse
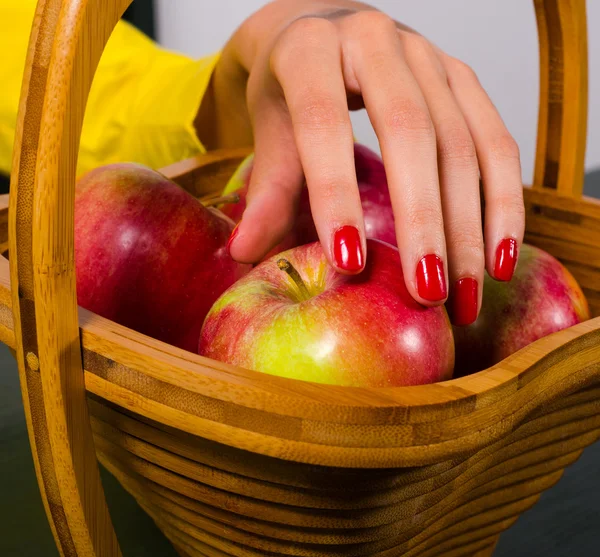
pixel 142 104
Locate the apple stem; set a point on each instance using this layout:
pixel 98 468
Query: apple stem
pixel 220 200
pixel 286 266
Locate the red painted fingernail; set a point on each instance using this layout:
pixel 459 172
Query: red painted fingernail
pixel 464 302
pixel 347 249
pixel 431 282
pixel 506 259
pixel 234 233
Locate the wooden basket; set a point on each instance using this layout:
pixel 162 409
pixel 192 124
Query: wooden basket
pixel 232 462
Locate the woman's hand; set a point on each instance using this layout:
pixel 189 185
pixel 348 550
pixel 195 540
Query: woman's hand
pixel 302 65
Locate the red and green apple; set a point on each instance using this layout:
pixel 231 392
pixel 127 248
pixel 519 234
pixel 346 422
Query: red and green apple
pixel 542 298
pixel 294 316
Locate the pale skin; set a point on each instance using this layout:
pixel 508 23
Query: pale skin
pixel 286 82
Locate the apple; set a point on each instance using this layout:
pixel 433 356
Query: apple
pixel 372 187
pixel 374 195
pixel 148 255
pixel 293 315
pixel 542 298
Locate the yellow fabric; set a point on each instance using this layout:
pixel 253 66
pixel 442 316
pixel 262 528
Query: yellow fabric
pixel 142 104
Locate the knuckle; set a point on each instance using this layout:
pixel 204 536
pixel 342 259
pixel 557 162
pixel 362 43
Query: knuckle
pixel 308 28
pixel 421 52
pixel 372 22
pixel 509 204
pixel 405 116
pixel 419 44
pixel 300 35
pixel 504 148
pixel 461 69
pixel 423 216
pixel 455 146
pixel 466 238
pixel 330 191
pixel 320 112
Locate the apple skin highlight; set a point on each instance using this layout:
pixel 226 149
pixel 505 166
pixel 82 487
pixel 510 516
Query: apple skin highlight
pixel 356 330
pixel 541 298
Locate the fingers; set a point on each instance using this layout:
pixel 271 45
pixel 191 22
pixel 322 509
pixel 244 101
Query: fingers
pixel 500 167
pixel 459 181
pixel 307 64
pixel 275 183
pixel 437 130
pixel 406 134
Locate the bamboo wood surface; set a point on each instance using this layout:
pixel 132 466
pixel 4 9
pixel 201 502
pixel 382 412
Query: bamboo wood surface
pixel 232 462
pixel 562 121
pixel 67 40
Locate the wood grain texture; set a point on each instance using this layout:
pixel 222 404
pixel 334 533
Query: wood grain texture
pixel 67 40
pixel 229 462
pixel 205 174
pixel 562 120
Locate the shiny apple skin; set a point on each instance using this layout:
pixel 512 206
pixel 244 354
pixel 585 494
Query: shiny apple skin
pixel 542 298
pixel 373 191
pixel 363 330
pixel 374 195
pixel 148 255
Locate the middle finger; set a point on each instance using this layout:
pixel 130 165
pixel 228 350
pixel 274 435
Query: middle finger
pixel 406 135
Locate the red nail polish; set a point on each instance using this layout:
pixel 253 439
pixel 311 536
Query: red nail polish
pixel 234 233
pixel 431 282
pixel 464 302
pixel 506 259
pixel 347 250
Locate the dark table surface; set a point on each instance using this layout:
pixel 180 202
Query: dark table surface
pixel 565 522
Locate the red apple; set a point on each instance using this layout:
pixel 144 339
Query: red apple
pixel 149 255
pixel 542 298
pixel 372 187
pixel 294 316
pixel 374 195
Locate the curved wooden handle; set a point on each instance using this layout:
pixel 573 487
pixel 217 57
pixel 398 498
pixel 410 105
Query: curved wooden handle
pixel 562 122
pixel 66 43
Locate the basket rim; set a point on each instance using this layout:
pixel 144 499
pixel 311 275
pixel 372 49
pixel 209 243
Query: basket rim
pixel 321 424
pixel 95 328
pixel 196 373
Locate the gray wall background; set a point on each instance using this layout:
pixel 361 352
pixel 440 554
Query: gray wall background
pixel 498 38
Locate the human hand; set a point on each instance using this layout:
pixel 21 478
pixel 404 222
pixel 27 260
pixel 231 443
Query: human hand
pixel 302 65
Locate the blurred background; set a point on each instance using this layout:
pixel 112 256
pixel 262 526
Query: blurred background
pixel 499 40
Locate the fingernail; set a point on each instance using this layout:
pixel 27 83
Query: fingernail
pixel 464 302
pixel 347 249
pixel 506 259
pixel 431 282
pixel 234 233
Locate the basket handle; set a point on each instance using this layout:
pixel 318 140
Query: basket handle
pixel 562 120
pixel 66 42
